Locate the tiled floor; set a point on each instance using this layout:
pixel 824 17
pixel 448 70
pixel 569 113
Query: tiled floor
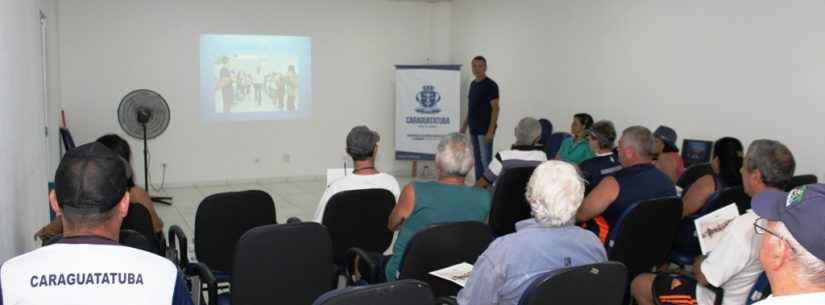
pixel 292 199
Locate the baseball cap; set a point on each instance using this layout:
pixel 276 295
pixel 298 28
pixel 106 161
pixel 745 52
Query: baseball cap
pixel 667 135
pixel 802 210
pixel 361 140
pixel 90 179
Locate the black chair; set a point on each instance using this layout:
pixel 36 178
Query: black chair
pixel 68 141
pixel 595 284
pixel 686 245
pixel 139 220
pixel 284 264
pixel 404 292
pixel 692 174
pixel 220 221
pixel 137 240
pixel 509 204
pixel 358 218
pixel 441 246
pixel 800 180
pixel 643 236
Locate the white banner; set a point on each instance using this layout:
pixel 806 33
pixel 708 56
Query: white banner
pixel 427 107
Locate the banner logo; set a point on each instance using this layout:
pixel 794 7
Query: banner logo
pixel 428 100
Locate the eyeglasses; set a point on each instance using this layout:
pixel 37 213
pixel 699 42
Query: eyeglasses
pixel 759 226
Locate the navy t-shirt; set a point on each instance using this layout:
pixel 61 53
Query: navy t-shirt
pixel 595 169
pixel 478 115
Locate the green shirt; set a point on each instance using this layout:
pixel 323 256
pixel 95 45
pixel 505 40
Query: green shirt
pixel 437 203
pixel 575 152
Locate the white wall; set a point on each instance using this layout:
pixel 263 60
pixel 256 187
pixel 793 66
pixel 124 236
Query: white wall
pixel 23 177
pixel 108 48
pixel 743 68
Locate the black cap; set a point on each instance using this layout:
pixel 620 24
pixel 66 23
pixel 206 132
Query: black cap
pixel 90 179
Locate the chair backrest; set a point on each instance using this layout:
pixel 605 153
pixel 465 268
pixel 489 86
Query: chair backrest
pixel 761 289
pixel 693 173
pixel 137 240
pixel 139 220
pixel 222 218
pixel 555 144
pixel 440 246
pixel 284 264
pixel 358 218
pixel 509 204
pixel 403 292
pixel 800 180
pixel 725 197
pixel 643 235
pixel 595 284
pixel 68 141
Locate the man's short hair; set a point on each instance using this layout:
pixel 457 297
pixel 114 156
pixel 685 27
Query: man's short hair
pixel 90 181
pixel 604 133
pixel 641 140
pixel 527 131
pixel 773 160
pixel 481 58
pixel 361 143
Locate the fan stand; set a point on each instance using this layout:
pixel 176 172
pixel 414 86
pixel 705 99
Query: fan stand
pixel 163 200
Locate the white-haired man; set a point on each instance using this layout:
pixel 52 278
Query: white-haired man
pixel 524 153
pixel 544 243
pixel 448 199
pixel 793 247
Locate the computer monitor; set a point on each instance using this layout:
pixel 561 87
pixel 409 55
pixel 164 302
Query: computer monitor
pixel 696 151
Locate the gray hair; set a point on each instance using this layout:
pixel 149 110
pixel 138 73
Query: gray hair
pixel 604 133
pixel 454 157
pixel 641 140
pixel 527 131
pixel 555 193
pixel 773 160
pixel 812 269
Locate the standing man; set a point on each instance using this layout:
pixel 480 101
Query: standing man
pixel 225 85
pixel 482 115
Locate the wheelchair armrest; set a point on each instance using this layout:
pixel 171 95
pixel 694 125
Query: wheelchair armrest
pixel 177 239
pixel 206 277
pixel 368 262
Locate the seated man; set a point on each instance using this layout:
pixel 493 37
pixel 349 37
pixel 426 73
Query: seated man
pixel 362 146
pixel 91 196
pixel 448 199
pixel 602 137
pixel 734 264
pixel 526 152
pixel 547 242
pixel 639 180
pixel 793 250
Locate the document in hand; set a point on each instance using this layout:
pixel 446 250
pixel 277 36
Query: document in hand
pixel 709 228
pixel 458 274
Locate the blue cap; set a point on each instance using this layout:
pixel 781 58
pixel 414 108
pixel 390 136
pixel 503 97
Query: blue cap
pixel 802 210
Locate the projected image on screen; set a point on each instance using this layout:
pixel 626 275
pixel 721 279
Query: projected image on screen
pixel 255 77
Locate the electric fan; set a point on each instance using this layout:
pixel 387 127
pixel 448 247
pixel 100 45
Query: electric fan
pixel 144 114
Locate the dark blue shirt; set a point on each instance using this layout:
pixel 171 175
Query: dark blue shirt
pixel 478 115
pixel 638 183
pixel 595 169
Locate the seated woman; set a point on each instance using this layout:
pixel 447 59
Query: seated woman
pixel 577 149
pixel 448 199
pixel 546 242
pixel 136 194
pixel 726 162
pixel 668 159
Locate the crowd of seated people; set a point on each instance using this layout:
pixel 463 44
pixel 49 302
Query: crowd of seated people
pixel 576 198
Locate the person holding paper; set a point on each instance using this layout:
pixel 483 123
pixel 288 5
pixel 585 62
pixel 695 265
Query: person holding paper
pixel 793 250
pixel 362 146
pixel 734 264
pixel 544 243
